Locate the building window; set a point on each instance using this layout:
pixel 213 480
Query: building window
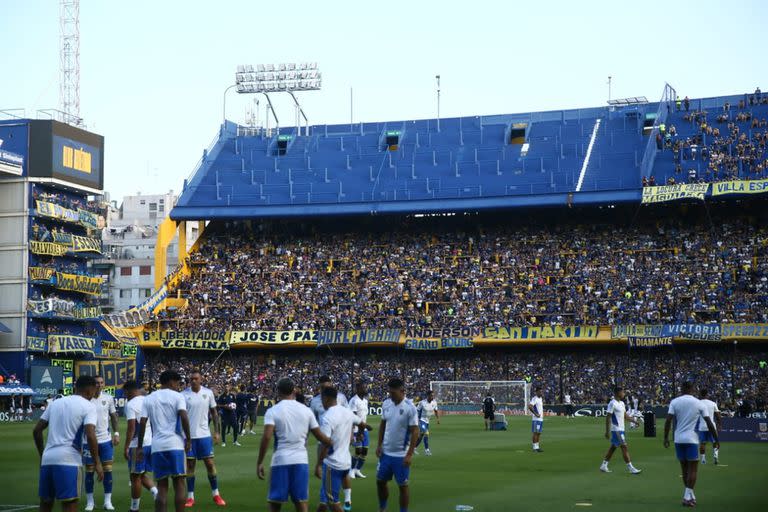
pixel 125 294
pixel 162 208
pixel 152 207
pixel 142 202
pixel 126 271
pixel 146 292
pixel 145 270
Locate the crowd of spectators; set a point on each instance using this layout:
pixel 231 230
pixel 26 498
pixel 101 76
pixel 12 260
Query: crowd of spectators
pixel 588 375
pixel 730 143
pixel 487 275
pixel 71 202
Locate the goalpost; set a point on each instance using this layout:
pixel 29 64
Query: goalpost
pixel 466 396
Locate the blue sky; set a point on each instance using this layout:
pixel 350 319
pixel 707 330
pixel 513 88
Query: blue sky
pixel 153 72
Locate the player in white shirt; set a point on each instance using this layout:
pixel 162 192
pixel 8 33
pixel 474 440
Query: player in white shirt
pixel 685 411
pixel 614 423
pixel 316 405
pixel 536 408
pixel 166 411
pixel 398 434
pixel 334 465
pixel 358 404
pixel 134 396
pixel 106 413
pixel 705 436
pixel 60 457
pixel 426 409
pixel 201 405
pixel 568 404
pixel 289 422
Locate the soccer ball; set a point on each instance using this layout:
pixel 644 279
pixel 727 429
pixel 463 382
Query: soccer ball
pixel 232 406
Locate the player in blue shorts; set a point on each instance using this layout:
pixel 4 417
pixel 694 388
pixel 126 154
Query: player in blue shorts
pixel 289 422
pixel 705 436
pixel 138 469
pixel 614 423
pixel 106 413
pixel 60 471
pixel 536 408
pixel 398 434
pixel 166 411
pixel 426 409
pixel 201 405
pixel 358 404
pixel 685 412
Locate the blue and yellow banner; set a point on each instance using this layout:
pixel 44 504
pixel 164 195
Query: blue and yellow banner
pixel 85 244
pixel 438 344
pixel 744 331
pixel 272 337
pixel 639 342
pixel 105 349
pixel 740 187
pixel 189 340
pixel 42 275
pixel 79 283
pixel 67 343
pixel 358 337
pixel 114 372
pixel 88 219
pixel 83 217
pixel 674 192
pixel 48 248
pixel 37 344
pixel 545 332
pixel 698 332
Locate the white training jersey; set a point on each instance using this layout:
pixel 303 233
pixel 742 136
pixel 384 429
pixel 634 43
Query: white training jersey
pixel 400 418
pixel 617 410
pixel 538 405
pixel 635 403
pixel 133 412
pixel 711 408
pixel 198 407
pixel 359 406
pixel 337 424
pixel 567 399
pixel 292 422
pixel 426 410
pixel 105 406
pixel 687 409
pixel 162 410
pixel 316 405
pixel 67 418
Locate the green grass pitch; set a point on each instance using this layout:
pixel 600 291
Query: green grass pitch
pixel 491 471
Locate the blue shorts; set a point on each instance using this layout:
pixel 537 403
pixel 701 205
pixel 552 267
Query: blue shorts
pixel 706 437
pixel 202 448
pixel 331 484
pixel 138 468
pixel 290 480
pixel 392 466
pixel 60 483
pixel 617 438
pixel 687 451
pixel 106 453
pixel 170 463
pixel 537 426
pixel 424 427
pixel 365 443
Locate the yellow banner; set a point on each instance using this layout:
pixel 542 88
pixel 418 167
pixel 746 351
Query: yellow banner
pixel 272 337
pixel 85 313
pixel 58 212
pixel 62 344
pixel 545 332
pixel 41 273
pixel 77 283
pixel 88 219
pixel 740 187
pixel 195 340
pixel 48 248
pixel 85 244
pixel 121 334
pixel 114 372
pixel 674 192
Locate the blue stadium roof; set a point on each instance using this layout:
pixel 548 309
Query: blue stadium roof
pixel 583 156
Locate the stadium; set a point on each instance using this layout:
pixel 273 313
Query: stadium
pixel 561 263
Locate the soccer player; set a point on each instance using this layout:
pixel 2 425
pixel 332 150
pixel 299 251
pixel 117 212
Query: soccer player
pixel 228 405
pixel 489 409
pixel 316 405
pixel 242 408
pixel 200 403
pixel 358 404
pixel 138 470
pixel 397 440
pixel 60 460
pixel 253 409
pixel 165 409
pixel 685 411
pixel 568 404
pixel 614 423
pixel 425 410
pixel 335 464
pixel 289 422
pixel 705 436
pixel 536 407
pixel 106 413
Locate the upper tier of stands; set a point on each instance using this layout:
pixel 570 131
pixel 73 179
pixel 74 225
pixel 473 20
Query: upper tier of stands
pixel 483 161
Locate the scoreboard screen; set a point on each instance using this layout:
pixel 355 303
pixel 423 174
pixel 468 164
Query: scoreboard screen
pixel 66 153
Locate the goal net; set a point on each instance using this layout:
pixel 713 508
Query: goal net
pixel 466 396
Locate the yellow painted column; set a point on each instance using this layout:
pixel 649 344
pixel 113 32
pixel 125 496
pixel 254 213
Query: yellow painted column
pixel 165 235
pixel 182 241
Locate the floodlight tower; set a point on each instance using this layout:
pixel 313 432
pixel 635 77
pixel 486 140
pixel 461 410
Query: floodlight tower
pixel 69 56
pixel 290 78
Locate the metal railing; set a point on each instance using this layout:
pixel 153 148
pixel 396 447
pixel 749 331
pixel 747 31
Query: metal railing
pixel 666 103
